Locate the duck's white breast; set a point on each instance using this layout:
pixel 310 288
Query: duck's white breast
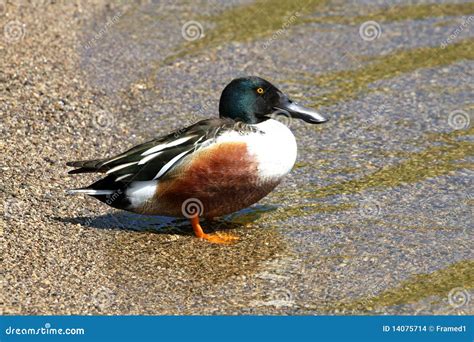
pixel 273 147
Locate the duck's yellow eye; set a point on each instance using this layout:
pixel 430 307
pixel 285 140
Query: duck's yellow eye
pixel 260 90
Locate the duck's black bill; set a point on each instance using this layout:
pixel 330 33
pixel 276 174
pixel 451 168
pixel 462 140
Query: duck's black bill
pixel 300 112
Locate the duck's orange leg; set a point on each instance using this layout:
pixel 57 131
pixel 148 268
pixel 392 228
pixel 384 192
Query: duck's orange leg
pixel 214 238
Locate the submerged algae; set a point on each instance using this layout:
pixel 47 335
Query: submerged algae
pixel 262 18
pixel 432 162
pixel 349 84
pixel 248 22
pixel 399 13
pixel 416 288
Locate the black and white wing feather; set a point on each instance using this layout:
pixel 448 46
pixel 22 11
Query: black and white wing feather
pixel 154 159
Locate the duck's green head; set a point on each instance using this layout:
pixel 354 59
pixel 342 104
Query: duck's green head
pixel 253 100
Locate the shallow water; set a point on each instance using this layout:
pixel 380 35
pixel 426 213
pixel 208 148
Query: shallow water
pixel 376 217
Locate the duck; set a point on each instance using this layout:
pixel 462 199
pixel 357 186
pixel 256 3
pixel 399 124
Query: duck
pixel 211 168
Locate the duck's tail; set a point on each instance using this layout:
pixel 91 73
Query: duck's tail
pixel 106 190
pixel 87 191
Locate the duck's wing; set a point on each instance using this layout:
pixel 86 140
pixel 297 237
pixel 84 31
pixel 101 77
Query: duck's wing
pixel 154 159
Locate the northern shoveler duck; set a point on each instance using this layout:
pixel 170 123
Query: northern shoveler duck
pixel 211 168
